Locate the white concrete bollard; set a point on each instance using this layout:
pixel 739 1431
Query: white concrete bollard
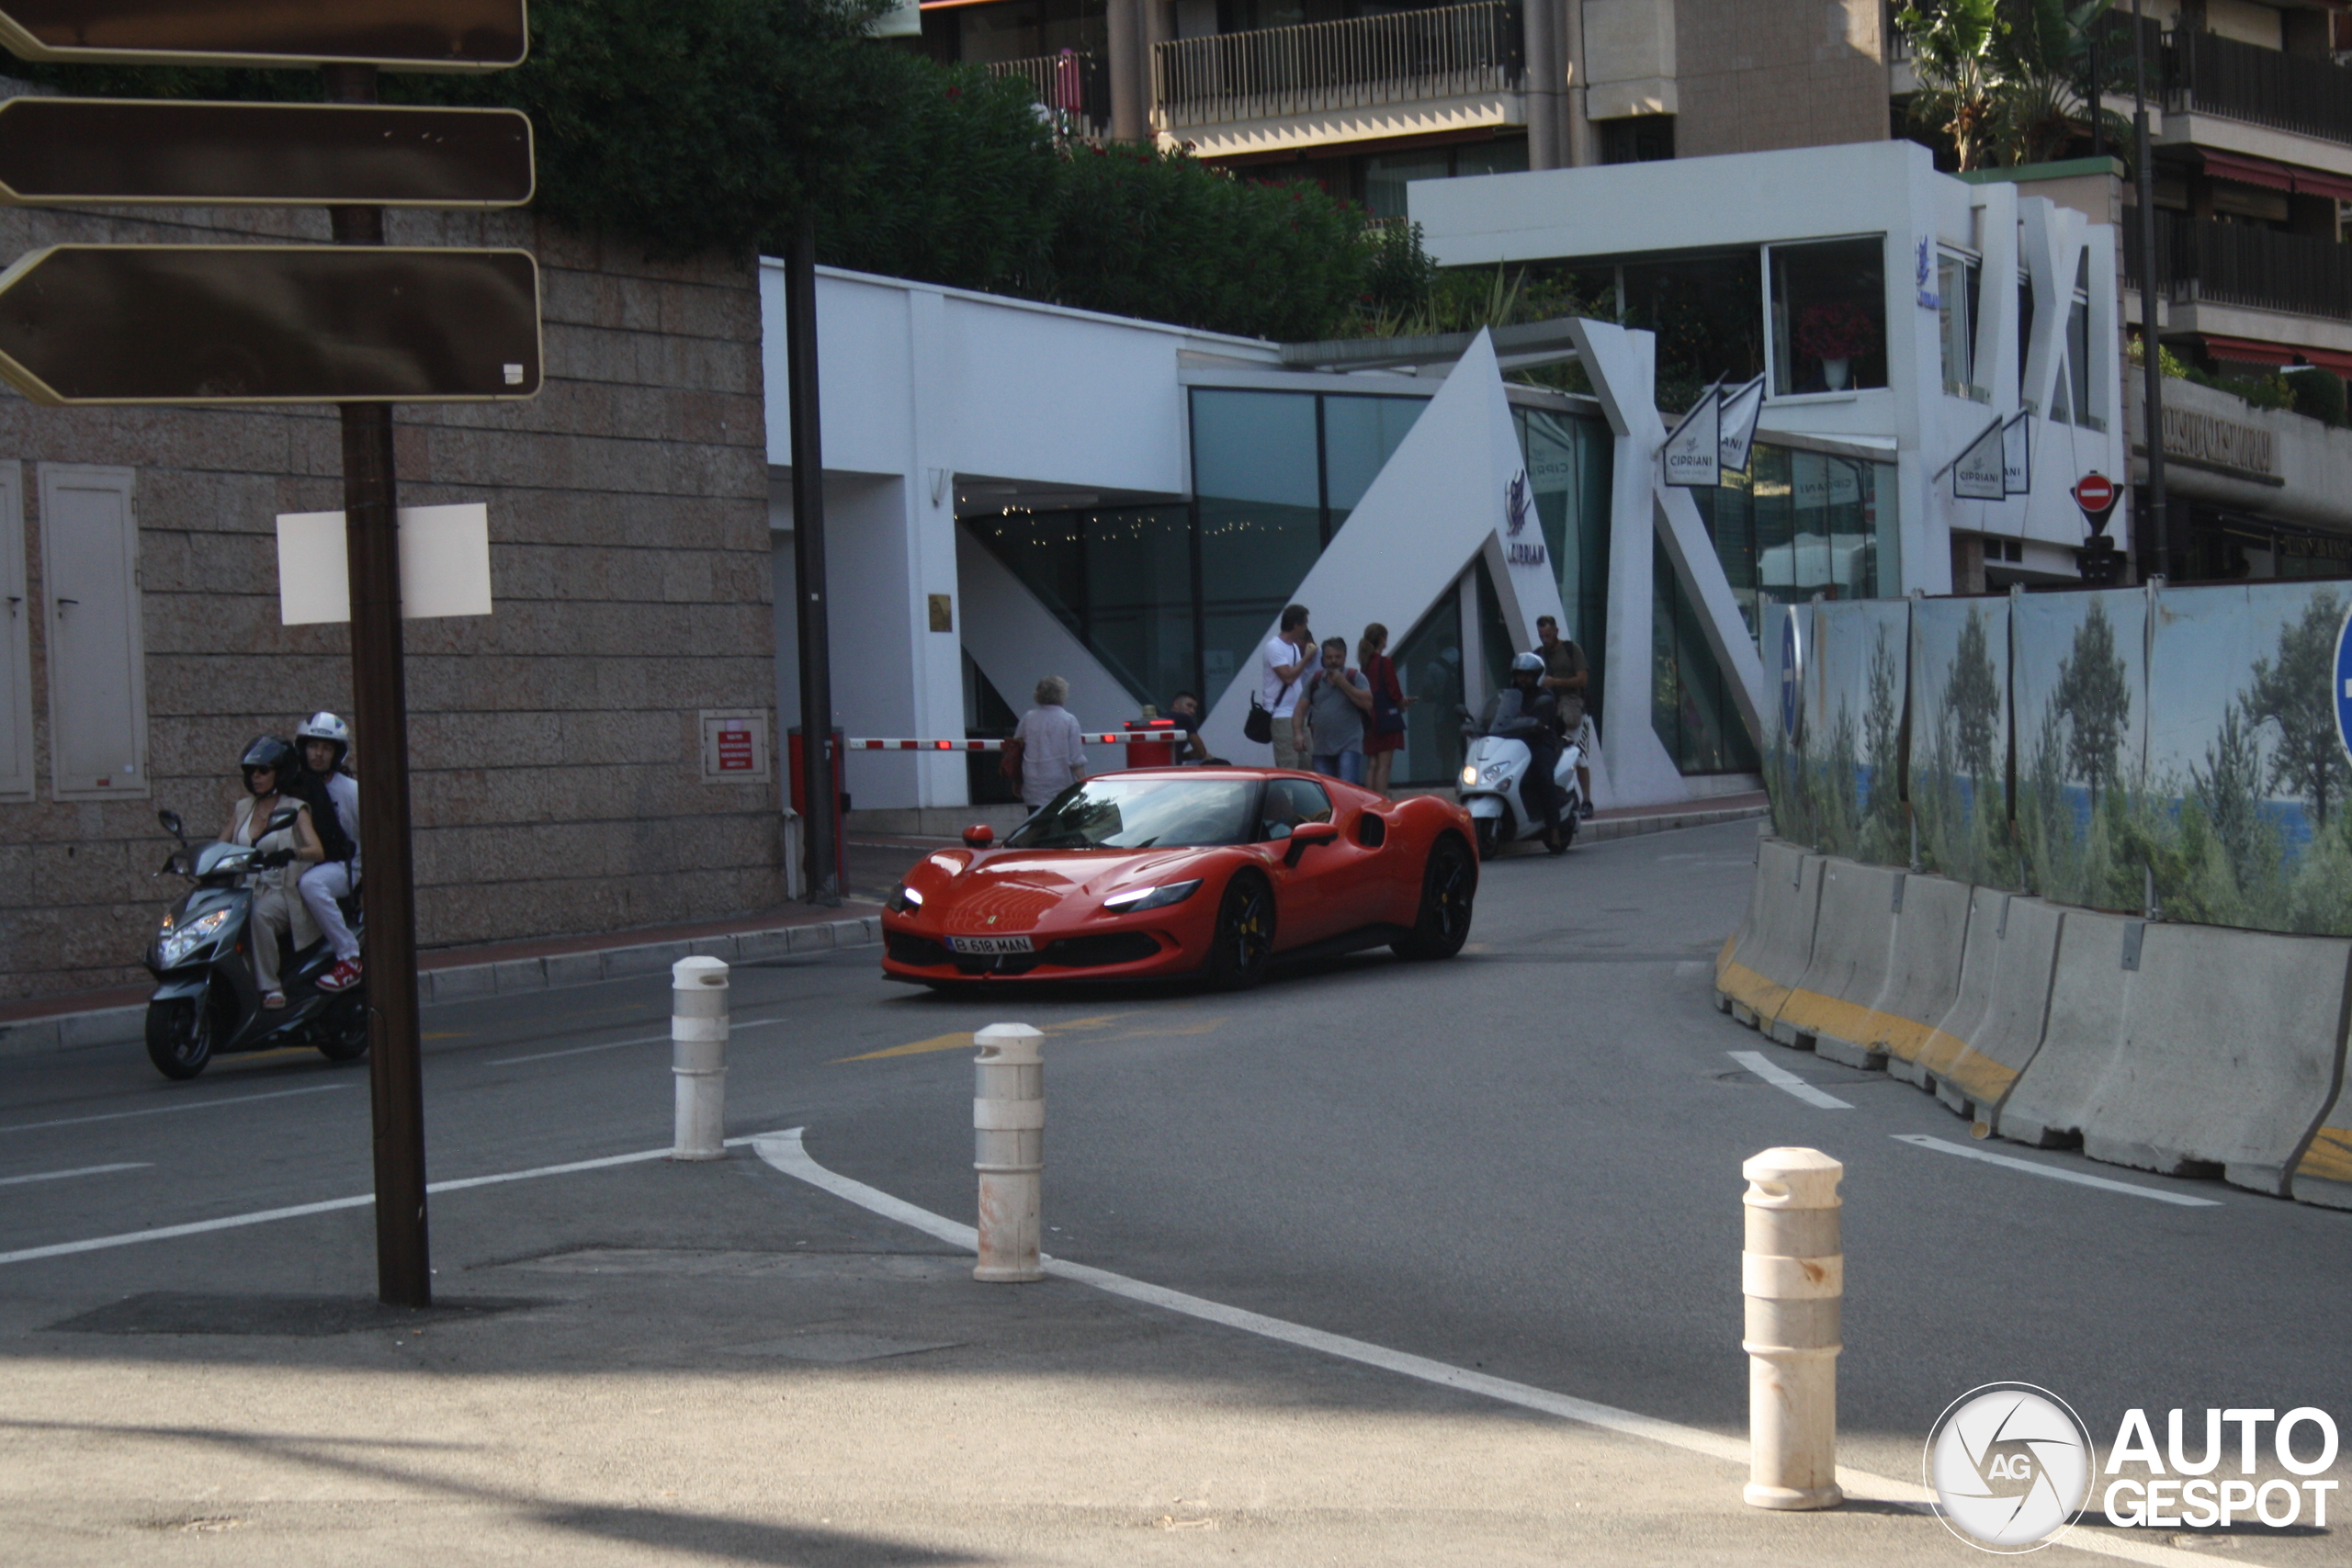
pixel 1793 1275
pixel 1009 1149
pixel 699 1056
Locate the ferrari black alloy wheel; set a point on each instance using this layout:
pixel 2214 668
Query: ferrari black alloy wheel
pixel 1448 884
pixel 1244 942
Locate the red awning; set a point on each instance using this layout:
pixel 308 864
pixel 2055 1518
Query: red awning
pixel 2239 169
pixel 2310 182
pixel 2249 170
pixel 2253 350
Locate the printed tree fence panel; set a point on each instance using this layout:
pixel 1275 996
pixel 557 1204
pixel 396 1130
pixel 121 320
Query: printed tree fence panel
pixel 1843 786
pixel 2242 817
pixel 1958 759
pixel 2079 681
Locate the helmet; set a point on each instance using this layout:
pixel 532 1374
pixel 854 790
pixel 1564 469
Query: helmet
pixel 266 752
pixel 324 726
pixel 1527 664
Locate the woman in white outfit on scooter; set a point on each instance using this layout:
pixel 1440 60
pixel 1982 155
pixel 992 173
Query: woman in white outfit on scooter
pixel 268 764
pixel 326 743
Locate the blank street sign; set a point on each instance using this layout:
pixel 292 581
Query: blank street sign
pixel 398 35
pixel 106 151
pixel 445 564
pixel 270 325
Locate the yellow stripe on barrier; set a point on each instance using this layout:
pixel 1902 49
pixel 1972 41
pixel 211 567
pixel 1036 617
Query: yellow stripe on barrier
pixel 1751 990
pixel 2330 1156
pixel 1946 1055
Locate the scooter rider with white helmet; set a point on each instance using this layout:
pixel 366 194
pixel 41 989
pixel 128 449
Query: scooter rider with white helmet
pixel 325 741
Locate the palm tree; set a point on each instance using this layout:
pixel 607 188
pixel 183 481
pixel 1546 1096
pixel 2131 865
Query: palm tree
pixel 2007 80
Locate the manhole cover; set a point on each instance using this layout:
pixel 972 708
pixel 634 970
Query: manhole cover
pixel 175 1312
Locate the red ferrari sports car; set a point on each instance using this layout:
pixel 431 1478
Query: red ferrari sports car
pixel 1206 872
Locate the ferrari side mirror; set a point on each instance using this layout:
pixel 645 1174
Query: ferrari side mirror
pixel 979 836
pixel 1304 836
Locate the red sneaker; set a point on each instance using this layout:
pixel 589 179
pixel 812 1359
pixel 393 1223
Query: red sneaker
pixel 342 977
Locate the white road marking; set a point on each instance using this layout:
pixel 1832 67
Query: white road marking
pixel 2080 1178
pixel 328 1206
pixel 1780 1077
pixel 164 1110
pixel 612 1044
pixel 84 1171
pixel 783 1151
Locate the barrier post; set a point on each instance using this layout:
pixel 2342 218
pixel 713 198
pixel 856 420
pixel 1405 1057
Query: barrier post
pixel 1008 1150
pixel 1793 1274
pixel 699 1056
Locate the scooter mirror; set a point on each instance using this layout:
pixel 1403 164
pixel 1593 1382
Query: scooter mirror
pixel 170 821
pixel 171 865
pixel 281 820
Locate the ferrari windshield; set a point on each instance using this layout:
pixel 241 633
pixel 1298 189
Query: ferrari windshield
pixel 1115 812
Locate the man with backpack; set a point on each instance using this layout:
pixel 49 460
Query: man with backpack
pixel 1282 669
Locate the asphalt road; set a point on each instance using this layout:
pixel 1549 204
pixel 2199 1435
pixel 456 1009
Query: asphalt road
pixel 1525 1160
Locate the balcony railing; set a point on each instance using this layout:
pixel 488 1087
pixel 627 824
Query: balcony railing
pixel 2237 263
pixel 1075 87
pixel 2242 81
pixel 1449 52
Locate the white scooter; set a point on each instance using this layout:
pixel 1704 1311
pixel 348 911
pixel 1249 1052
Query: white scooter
pixel 1494 774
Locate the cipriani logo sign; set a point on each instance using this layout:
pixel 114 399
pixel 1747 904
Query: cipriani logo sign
pixel 2012 1467
pixel 1519 510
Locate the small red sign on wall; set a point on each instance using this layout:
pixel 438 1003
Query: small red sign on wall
pixel 735 754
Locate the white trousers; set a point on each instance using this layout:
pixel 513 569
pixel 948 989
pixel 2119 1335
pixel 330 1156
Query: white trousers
pixel 322 885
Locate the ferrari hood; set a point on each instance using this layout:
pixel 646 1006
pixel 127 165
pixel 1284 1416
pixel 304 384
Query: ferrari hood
pixel 1014 889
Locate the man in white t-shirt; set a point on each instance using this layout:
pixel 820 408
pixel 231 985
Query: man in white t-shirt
pixel 1282 666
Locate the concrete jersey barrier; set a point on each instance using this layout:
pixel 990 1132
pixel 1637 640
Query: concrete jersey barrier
pixel 2179 1049
pixel 1758 972
pixel 1852 945
pixel 2324 1174
pixel 1922 969
pixel 1986 1039
pixel 1769 953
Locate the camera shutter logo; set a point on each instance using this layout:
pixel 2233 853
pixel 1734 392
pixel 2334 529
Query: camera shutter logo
pixel 2011 1467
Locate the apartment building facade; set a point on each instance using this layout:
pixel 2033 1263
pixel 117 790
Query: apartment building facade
pixel 1366 96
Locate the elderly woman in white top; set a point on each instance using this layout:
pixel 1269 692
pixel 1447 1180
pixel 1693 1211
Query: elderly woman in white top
pixel 1052 757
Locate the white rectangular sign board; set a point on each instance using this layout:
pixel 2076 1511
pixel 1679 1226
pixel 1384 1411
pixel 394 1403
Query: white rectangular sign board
pixel 445 564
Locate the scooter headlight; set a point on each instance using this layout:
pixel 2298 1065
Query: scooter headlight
pixel 1495 770
pixel 1470 773
pixel 175 945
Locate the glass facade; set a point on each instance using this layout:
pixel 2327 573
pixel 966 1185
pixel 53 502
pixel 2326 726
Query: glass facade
pixel 1829 316
pixel 1802 523
pixel 1692 709
pixel 1175 598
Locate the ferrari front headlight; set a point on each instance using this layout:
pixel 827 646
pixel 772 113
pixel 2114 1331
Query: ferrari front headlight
pixel 903 900
pixel 1128 900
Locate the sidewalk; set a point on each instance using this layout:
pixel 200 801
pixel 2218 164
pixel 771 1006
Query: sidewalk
pixel 662 1363
pixel 116 1017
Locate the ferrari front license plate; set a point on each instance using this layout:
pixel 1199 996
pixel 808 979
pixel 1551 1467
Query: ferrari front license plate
pixel 991 944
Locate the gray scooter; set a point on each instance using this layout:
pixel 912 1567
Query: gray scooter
pixel 206 1002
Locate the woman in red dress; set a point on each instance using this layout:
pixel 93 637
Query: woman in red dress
pixel 1388 704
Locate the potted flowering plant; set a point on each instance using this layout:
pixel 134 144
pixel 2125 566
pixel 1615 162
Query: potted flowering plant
pixel 1836 334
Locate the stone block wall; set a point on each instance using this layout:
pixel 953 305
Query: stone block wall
pixel 554 743
pixel 1756 75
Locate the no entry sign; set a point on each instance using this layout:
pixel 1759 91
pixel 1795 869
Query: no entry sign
pixel 2095 494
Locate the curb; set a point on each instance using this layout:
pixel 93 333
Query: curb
pixel 458 982
pixel 1602 829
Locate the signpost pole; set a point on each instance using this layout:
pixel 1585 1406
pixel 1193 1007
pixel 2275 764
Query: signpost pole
pixel 822 824
pixel 380 706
